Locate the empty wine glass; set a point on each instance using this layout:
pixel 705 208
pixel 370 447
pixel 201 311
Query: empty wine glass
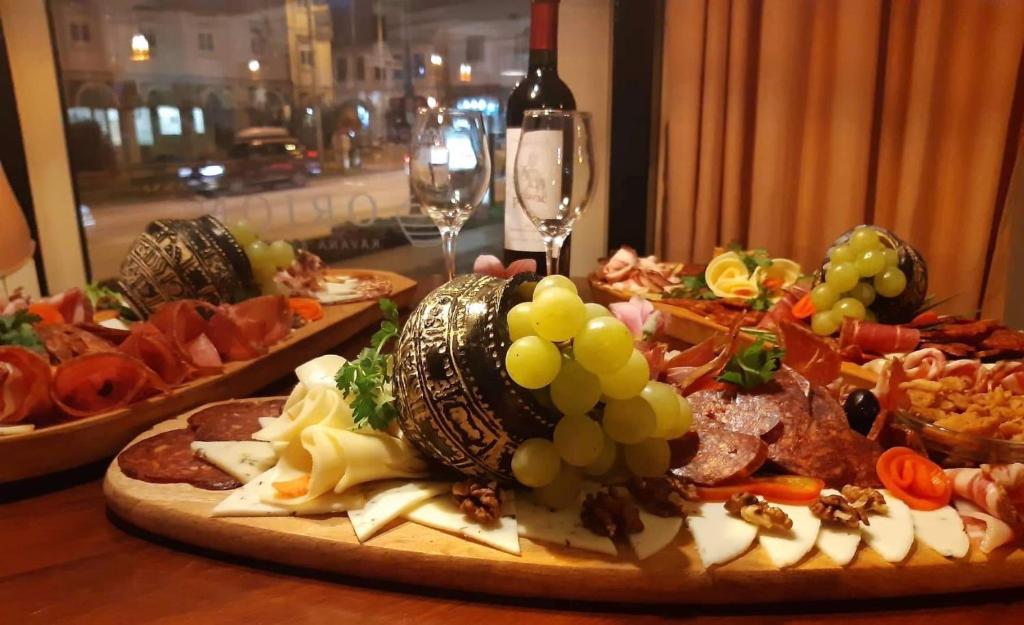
pixel 554 174
pixel 450 169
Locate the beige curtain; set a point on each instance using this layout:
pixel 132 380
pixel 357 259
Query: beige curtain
pixel 786 122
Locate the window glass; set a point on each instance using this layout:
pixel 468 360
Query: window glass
pixel 292 114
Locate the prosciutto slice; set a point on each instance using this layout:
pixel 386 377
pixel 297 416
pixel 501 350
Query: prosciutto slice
pixel 74 305
pixel 927 364
pixel 24 385
pixel 620 264
pixel 64 341
pixel 987 531
pixel 147 343
pixel 978 487
pixel 104 381
pixel 878 338
pixel 814 357
pixel 782 310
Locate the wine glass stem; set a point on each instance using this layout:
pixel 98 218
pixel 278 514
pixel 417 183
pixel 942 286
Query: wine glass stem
pixel 448 236
pixel 552 248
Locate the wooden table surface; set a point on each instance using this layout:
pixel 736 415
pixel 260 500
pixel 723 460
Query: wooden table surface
pixel 65 559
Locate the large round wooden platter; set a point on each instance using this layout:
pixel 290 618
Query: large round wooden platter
pixel 411 554
pixel 75 443
pixel 689 327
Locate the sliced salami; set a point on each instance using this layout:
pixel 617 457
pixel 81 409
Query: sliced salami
pixel 168 458
pixel 233 421
pixel 712 455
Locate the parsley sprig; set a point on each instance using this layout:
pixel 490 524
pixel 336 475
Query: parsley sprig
pixel 366 381
pixel 753 366
pixel 757 257
pixel 692 287
pixel 17 329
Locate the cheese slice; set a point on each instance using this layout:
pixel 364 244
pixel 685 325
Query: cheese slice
pixel 242 460
pixel 838 541
pixel 335 292
pixel 386 501
pixel 245 501
pixel 720 537
pixel 441 513
pixel 320 371
pixel 658 533
pixel 942 530
pixel 891 535
pixel 11 430
pixel 561 527
pixel 115 324
pixel 787 547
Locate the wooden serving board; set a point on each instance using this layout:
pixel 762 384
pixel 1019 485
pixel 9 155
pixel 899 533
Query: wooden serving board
pixel 689 327
pixel 411 554
pixel 76 443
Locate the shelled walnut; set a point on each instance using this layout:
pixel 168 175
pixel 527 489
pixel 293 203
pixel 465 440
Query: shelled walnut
pixel 663 496
pixel 611 513
pixel 865 499
pixel 836 509
pixel 480 501
pixel 757 511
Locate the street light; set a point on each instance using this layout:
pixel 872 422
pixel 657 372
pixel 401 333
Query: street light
pixel 435 59
pixel 254 66
pixel 140 47
pixel 465 72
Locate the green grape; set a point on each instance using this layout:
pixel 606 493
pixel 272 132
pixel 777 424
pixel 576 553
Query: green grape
pixel 282 254
pixel 605 460
pixel 575 390
pixel 648 458
pixel 603 346
pixel 579 439
pixel 536 462
pixel 596 310
pixel 870 262
pixel 825 323
pixel 890 282
pixel 864 239
pixel 863 293
pixel 532 362
pixel 892 257
pixel 629 380
pixel 561 492
pixel 842 254
pixel 519 324
pixel 259 255
pixel 662 398
pixel 849 307
pixel 824 297
pixel 557 314
pixel 842 276
pixel 678 425
pixel 243 232
pixel 629 420
pixel 554 282
pixel 871 316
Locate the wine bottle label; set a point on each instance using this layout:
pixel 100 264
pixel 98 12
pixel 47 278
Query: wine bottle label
pixel 520 233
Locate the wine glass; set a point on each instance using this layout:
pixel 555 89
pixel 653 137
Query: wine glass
pixel 450 169
pixel 554 174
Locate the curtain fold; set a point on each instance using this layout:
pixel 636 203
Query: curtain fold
pixel 786 122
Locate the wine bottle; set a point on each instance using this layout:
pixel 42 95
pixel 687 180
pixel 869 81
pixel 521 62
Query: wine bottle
pixel 541 88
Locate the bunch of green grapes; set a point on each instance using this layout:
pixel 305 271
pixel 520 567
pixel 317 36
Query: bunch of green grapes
pixel 857 272
pixel 585 359
pixel 265 260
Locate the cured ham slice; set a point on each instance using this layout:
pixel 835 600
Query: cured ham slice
pixel 24 385
pixel 927 364
pixel 984 529
pixel 185 323
pixel 878 338
pixel 263 320
pixel 147 343
pixel 231 341
pixel 620 264
pixel 74 305
pixel 104 381
pixel 782 310
pixel 64 341
pixel 814 357
pixel 978 487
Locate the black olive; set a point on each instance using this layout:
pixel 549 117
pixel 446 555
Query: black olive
pixel 861 409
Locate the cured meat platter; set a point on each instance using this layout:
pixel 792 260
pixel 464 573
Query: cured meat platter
pixel 411 553
pixel 77 442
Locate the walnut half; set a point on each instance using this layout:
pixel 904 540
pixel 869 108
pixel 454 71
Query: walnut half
pixel 663 496
pixel 479 501
pixel 611 513
pixel 865 499
pixel 836 509
pixel 757 512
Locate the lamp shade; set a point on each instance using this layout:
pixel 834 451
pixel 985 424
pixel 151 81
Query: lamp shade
pixel 16 244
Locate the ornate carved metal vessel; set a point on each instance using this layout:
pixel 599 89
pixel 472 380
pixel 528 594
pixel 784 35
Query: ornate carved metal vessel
pixel 456 402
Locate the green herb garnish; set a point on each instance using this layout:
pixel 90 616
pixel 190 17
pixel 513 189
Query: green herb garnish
pixel 692 287
pixel 757 257
pixel 17 329
pixel 763 301
pixel 366 381
pixel 753 366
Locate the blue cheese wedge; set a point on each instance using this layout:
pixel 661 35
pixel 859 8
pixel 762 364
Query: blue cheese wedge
pixel 246 501
pixel 441 513
pixel 560 527
pixel 387 501
pixel 658 533
pixel 787 547
pixel 837 541
pixel 11 430
pixel 242 460
pixel 942 530
pixel 719 536
pixel 891 535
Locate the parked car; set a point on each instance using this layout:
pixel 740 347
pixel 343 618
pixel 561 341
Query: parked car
pixel 260 158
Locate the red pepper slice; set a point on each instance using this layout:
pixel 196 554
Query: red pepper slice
pixel 804 307
pixel 792 489
pixel 914 479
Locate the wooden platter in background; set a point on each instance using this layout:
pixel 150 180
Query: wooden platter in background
pixel 689 327
pixel 411 554
pixel 76 443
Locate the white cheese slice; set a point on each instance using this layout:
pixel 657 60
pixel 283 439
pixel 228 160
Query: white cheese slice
pixel 386 501
pixel 658 533
pixel 115 324
pixel 242 460
pixel 561 527
pixel 334 292
pixel 319 371
pixel 11 430
pixel 942 530
pixel 719 536
pixel 891 535
pixel 837 541
pixel 245 501
pixel 441 513
pixel 787 547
